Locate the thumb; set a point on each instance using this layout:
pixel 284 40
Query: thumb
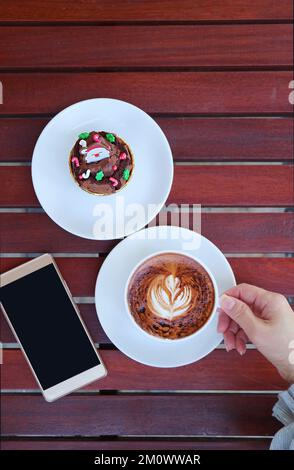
pixel 240 313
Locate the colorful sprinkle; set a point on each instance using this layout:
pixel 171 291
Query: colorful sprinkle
pixel 99 175
pixel 81 177
pixel 123 156
pixel 126 174
pixel 114 181
pixel 84 135
pixel 86 174
pixel 96 138
pixel 76 162
pixel 83 143
pixel 110 137
pixel 114 167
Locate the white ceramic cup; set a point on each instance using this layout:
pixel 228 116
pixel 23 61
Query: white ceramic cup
pixel 216 295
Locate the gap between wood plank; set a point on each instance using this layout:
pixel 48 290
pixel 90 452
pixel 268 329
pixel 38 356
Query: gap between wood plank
pixel 71 23
pixel 163 69
pixel 147 392
pixel 142 437
pixel 103 255
pixel 168 115
pixel 193 163
pixel 127 437
pixel 167 209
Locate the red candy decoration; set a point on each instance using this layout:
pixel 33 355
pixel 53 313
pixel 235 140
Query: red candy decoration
pixel 123 156
pixel 114 181
pixel 76 162
pixel 96 138
pixel 114 167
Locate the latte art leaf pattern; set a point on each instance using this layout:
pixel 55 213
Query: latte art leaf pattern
pixel 167 298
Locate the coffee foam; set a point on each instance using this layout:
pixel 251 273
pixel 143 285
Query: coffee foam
pixel 171 295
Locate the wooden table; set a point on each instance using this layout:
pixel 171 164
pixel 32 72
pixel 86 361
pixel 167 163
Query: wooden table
pixel 215 75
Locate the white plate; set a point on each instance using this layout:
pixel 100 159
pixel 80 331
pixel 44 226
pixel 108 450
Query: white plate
pixel 109 296
pixel 76 210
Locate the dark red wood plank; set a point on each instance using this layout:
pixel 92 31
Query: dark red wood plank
pixel 275 274
pixel 27 131
pixel 124 444
pixel 250 372
pixel 170 46
pixel 231 232
pixel 88 312
pixel 229 139
pixel 168 92
pixel 155 10
pixel 257 185
pixel 191 139
pixel 233 185
pixel 15 180
pixel 200 414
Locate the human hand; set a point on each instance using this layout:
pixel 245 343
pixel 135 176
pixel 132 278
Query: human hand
pixel 263 317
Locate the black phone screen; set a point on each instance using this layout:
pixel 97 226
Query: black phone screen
pixel 48 326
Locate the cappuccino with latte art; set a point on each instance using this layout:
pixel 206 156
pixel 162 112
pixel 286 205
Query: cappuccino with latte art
pixel 170 295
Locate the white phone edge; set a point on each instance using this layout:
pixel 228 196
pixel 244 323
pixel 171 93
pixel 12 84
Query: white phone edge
pixel 77 381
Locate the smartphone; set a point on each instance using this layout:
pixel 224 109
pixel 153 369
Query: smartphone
pixel 46 322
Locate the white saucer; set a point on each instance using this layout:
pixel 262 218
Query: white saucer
pixel 78 211
pixel 109 296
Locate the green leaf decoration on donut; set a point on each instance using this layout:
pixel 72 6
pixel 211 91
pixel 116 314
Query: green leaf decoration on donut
pixel 126 174
pixel 110 137
pixel 84 135
pixel 99 175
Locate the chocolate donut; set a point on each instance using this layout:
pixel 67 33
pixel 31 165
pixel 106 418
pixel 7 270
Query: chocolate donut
pixel 101 163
